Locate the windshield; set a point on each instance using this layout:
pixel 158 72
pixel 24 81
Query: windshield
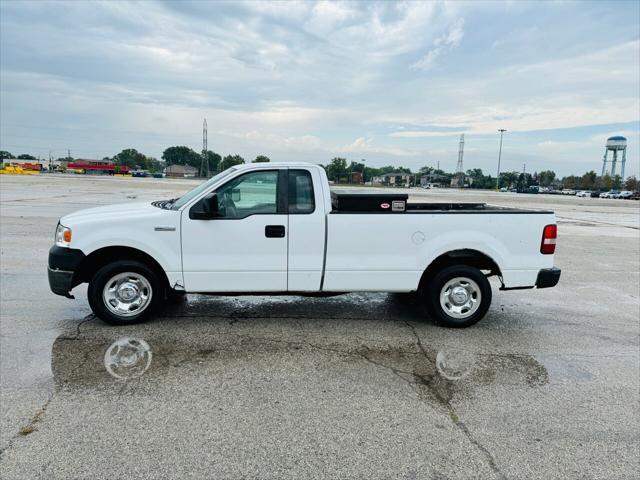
pixel 187 197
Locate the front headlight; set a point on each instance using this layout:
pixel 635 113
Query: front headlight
pixel 63 236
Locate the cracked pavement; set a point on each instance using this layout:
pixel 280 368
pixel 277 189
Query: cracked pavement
pixel 353 386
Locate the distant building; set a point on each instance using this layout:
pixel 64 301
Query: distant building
pixel 356 177
pixel 96 167
pixel 394 179
pixel 181 171
pixel 434 180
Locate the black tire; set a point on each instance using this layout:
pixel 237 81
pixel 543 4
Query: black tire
pixel 447 317
pixel 154 289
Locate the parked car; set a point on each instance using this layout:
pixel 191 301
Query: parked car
pixel 568 192
pixel 635 196
pixel 291 235
pixel 610 194
pixel 625 195
pixel 583 193
pixel 596 194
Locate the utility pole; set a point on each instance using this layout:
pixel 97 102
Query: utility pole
pixel 502 130
pixel 204 162
pixel 459 167
pixel 68 154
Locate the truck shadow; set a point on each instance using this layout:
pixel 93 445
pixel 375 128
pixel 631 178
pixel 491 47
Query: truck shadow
pixel 404 306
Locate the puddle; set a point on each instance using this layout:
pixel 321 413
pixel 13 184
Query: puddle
pixel 435 374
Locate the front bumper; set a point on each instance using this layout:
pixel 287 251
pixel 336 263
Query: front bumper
pixel 60 282
pixel 63 264
pixel 548 277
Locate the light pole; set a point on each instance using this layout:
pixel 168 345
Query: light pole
pixel 502 130
pixel 363 167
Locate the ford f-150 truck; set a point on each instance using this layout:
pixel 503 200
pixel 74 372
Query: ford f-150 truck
pixel 278 229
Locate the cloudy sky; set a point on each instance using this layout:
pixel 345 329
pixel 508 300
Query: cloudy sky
pixel 393 83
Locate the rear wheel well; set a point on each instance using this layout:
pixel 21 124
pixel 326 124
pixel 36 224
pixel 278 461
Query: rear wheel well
pixel 101 257
pixel 471 258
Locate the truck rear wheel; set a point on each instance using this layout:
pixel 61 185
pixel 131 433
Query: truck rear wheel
pixel 125 292
pixel 458 296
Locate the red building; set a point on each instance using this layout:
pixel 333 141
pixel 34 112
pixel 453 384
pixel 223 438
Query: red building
pixel 97 166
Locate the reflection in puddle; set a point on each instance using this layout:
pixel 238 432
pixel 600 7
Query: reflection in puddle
pixel 127 358
pixel 454 364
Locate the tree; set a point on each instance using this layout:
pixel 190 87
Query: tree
pixel 588 180
pixel 213 159
pixel 337 169
pixel 181 155
pixel 130 157
pixel 4 155
pixel 427 170
pixel 230 161
pixel 616 182
pixel 479 180
pixel 546 177
pixel 261 159
pixel 508 179
pixel 154 165
pixel 631 184
pixel 26 156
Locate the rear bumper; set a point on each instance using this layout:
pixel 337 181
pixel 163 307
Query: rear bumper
pixel 63 263
pixel 548 277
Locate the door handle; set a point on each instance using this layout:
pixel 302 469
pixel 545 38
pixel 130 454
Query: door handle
pixel 274 231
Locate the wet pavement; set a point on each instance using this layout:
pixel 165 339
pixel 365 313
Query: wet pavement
pixel 352 386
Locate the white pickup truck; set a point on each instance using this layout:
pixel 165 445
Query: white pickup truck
pixel 277 229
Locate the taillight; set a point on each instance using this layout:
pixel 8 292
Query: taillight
pixel 549 235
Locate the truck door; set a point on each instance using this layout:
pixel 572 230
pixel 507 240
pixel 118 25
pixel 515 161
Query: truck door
pixel 307 223
pixel 243 249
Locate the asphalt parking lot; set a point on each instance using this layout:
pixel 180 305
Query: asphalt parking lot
pixel 354 386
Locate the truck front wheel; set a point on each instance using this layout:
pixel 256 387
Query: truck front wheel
pixel 125 292
pixel 458 296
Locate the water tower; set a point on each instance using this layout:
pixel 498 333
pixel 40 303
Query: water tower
pixel 615 145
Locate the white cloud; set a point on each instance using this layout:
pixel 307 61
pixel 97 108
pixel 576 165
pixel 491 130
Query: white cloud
pixel 363 145
pixel 306 76
pixel 442 44
pixel 425 133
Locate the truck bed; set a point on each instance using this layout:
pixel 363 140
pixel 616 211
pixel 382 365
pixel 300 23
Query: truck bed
pixel 397 203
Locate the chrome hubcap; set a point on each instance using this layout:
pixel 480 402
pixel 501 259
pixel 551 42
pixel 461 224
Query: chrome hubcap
pixel 460 297
pixel 127 294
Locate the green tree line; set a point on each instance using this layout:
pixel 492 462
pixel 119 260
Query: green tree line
pixel 340 169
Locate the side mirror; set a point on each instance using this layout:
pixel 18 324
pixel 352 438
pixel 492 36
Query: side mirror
pixel 205 209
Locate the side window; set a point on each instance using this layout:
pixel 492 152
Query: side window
pixel 301 199
pixel 249 194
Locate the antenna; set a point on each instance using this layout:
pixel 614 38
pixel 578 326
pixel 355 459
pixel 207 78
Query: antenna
pixel 459 167
pixel 204 163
